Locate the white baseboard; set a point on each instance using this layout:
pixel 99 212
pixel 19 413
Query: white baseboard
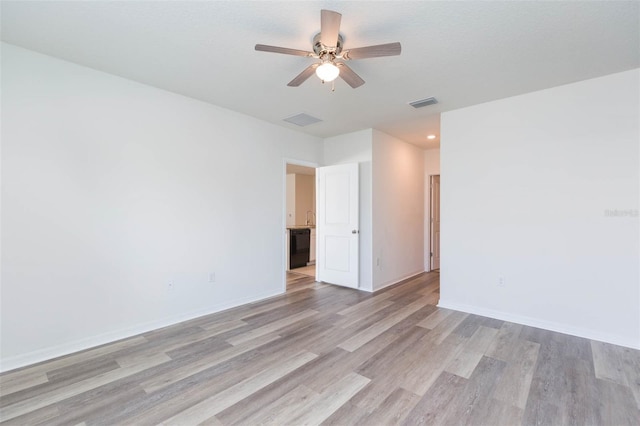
pixel 45 354
pixel 394 282
pixel 540 323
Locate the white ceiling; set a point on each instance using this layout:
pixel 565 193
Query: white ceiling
pixel 463 53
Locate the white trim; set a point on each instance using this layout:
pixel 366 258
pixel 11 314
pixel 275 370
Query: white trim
pixel 546 325
pixel 428 225
pixel 406 277
pixel 68 348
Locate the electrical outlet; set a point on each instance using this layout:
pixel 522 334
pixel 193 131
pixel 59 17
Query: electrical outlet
pixel 502 281
pixel 171 285
pixel 212 277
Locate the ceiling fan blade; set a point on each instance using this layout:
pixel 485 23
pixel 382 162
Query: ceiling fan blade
pixel 379 50
pixel 348 75
pixel 284 50
pixel 303 76
pixel 329 27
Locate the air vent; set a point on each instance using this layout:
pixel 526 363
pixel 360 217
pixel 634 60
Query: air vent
pixel 302 119
pixel 424 102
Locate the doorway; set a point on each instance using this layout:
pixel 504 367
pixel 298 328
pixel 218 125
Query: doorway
pixel 300 220
pixel 333 253
pixel 434 221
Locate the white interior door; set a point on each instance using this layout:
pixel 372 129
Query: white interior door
pixel 435 222
pixel 337 225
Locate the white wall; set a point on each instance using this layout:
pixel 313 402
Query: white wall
pixel 431 167
pixel 291 199
pixel 398 210
pixel 305 197
pixel 357 147
pixel 527 183
pixel 111 188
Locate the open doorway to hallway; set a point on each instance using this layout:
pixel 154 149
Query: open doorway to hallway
pixel 300 220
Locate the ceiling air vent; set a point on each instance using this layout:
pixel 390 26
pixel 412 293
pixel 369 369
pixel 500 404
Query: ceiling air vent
pixel 424 102
pixel 302 119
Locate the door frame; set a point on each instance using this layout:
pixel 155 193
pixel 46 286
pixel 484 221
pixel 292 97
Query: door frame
pixel 430 224
pixel 283 225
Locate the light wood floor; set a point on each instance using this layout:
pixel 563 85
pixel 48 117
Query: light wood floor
pixel 309 270
pixel 331 355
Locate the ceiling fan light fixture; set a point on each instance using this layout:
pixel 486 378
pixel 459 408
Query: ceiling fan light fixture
pixel 328 47
pixel 328 71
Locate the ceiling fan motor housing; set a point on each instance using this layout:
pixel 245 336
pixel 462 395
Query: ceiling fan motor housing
pixel 321 50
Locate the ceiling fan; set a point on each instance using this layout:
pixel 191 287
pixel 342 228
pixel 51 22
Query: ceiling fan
pixel 328 48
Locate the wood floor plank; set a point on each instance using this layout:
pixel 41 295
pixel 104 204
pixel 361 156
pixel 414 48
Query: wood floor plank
pixel 271 327
pixel 475 398
pixel 63 378
pixel 579 404
pixel 363 313
pixel 430 285
pixel 378 364
pixel 471 352
pixel 615 404
pixel 392 340
pixel 277 314
pixel 541 412
pixel 425 369
pixel 365 306
pixel 347 414
pixel 318 409
pixel 444 327
pixel 186 393
pixel 463 363
pixel 433 298
pixel 224 326
pixel 256 308
pixel 515 383
pixel 43 415
pixel 301 339
pixel 303 376
pixel 482 339
pixel 102 404
pixel 393 409
pixel 608 363
pixel 162 381
pixel 282 409
pixel 501 347
pixel 44 400
pixel 435 318
pixel 82 370
pixel 74 359
pixel 18 382
pixel 211 406
pixel 631 365
pixel 497 412
pixel 374 330
pixel 435 403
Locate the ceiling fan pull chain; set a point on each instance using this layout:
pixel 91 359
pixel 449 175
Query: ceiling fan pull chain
pixel 333 86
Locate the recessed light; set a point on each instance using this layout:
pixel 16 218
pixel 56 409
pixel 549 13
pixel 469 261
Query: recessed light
pixel 431 137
